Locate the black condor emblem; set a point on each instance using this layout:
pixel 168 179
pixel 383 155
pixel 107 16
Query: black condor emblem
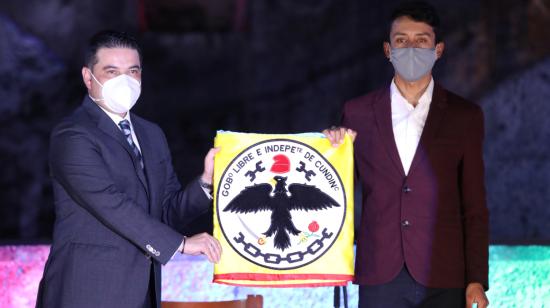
pixel 258 198
pixel 280 204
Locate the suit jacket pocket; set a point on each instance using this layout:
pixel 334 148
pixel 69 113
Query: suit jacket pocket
pixel 94 251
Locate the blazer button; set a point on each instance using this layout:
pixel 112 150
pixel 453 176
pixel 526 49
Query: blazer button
pixel 405 223
pixel 407 189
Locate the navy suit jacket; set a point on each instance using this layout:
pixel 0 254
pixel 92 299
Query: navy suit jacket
pixel 435 219
pixel 114 220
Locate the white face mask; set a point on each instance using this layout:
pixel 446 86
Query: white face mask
pixel 120 93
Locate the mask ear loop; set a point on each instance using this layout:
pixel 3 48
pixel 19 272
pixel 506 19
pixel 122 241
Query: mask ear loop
pixel 99 83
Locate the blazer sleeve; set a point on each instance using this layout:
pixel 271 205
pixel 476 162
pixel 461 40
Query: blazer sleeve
pixel 180 207
pixel 475 212
pixel 77 164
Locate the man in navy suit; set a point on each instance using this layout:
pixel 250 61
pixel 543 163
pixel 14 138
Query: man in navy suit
pixel 423 236
pixel 118 202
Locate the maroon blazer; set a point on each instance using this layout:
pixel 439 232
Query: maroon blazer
pixel 435 220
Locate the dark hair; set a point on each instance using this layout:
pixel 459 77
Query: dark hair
pixel 419 11
pixel 108 39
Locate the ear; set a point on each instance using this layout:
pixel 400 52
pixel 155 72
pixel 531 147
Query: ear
pixel 387 49
pixel 439 47
pixel 87 78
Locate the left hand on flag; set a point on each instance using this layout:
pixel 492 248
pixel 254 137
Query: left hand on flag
pixel 203 243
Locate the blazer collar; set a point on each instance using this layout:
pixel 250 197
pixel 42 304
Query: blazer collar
pixel 436 114
pixel 147 152
pixel 382 111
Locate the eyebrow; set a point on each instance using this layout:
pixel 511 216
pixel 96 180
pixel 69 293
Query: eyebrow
pixel 108 67
pixel 418 34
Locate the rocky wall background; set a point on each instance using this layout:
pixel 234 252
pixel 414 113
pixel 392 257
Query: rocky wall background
pixel 277 66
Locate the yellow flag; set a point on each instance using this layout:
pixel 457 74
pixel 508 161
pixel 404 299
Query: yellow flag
pixel 283 210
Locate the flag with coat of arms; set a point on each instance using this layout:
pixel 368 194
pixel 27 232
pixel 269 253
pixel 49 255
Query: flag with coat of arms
pixel 283 210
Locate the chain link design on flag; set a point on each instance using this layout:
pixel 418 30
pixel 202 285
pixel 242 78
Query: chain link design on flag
pixel 283 210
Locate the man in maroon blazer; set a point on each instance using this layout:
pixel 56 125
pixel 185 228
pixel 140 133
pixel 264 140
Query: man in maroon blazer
pixel 423 236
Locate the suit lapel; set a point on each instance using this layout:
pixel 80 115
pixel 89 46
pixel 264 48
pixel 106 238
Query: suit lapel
pixel 147 151
pixel 433 122
pixel 382 111
pixel 106 125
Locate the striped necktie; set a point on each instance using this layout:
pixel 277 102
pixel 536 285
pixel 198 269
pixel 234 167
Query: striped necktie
pixel 127 130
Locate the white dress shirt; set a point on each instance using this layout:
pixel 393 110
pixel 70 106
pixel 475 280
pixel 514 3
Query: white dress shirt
pixel 408 122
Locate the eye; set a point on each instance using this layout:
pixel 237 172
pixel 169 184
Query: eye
pixel 401 41
pixel 112 72
pixel 135 71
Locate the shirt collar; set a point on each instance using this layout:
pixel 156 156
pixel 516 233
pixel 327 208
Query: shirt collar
pixel 116 118
pixel 423 101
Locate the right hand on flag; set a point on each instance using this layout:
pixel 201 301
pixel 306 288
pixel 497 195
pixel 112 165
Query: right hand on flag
pixel 336 135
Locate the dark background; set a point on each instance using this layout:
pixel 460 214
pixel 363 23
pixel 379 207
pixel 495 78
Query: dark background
pixel 264 66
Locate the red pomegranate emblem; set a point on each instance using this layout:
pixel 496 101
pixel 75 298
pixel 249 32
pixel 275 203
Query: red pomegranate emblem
pixel 313 226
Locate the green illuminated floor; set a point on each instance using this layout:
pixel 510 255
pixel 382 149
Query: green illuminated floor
pixel 519 276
